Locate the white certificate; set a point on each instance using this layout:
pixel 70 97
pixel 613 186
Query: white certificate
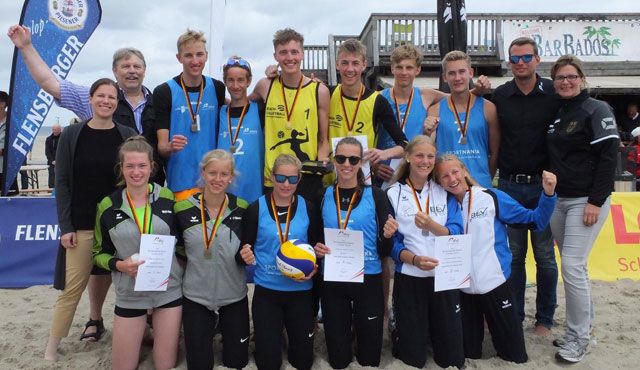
pixel 157 253
pixel 366 168
pixel 346 260
pixel 453 253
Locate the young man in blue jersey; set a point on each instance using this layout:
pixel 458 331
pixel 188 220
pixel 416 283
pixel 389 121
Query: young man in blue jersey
pixel 187 109
pixel 467 124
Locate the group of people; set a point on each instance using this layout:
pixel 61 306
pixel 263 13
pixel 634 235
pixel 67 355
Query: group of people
pixel 233 179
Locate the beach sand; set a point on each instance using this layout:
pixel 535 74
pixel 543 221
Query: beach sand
pixel 25 320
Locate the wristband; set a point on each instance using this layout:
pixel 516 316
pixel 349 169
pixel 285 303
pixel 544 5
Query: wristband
pixel 413 260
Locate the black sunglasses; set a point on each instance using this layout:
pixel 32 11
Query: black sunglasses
pixel 527 58
pixel 280 179
pixel 353 160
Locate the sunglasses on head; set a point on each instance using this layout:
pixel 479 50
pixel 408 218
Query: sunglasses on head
pixel 237 62
pixel 353 160
pixel 514 59
pixel 280 179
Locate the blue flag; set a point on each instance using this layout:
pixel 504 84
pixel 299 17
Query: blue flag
pixel 59 31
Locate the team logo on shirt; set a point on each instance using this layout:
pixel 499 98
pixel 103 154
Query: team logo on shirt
pixel 608 123
pixel 572 126
pixel 68 15
pixel 437 210
pixel 481 213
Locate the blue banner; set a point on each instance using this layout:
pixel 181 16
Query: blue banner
pixel 59 31
pixel 29 238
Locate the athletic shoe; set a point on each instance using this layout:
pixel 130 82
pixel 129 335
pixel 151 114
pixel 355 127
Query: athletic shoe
pixel 559 342
pixel 573 351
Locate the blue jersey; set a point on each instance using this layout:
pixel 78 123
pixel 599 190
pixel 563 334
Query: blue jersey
pixel 414 123
pixel 267 245
pixel 249 151
pixel 475 153
pixel 363 218
pixel 182 166
pixel 491 211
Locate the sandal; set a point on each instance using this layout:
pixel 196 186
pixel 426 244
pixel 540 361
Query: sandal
pixel 93 337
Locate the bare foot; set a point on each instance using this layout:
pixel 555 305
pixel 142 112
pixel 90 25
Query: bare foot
pixel 51 352
pixel 541 330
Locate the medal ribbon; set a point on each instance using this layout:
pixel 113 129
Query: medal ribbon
pixel 295 98
pixel 145 225
pixel 285 237
pixel 415 197
pixel 186 96
pixel 463 129
pixel 406 113
pixel 355 112
pixel 466 226
pixel 209 238
pixel 233 138
pixel 346 220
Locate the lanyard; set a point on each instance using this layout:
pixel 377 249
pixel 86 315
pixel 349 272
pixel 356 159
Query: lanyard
pixel 145 225
pixel 355 112
pixel 406 113
pixel 463 129
pixel 289 112
pixel 285 237
pixel 209 238
pixel 415 196
pixel 346 220
pixel 233 138
pixel 186 96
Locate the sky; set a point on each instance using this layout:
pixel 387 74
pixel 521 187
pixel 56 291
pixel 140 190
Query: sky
pixel 249 27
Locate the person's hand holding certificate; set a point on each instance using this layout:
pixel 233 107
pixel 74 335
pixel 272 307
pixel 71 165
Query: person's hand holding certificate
pixel 345 262
pixel 157 253
pixel 454 268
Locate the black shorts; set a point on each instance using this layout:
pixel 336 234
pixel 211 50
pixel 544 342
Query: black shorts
pixel 134 312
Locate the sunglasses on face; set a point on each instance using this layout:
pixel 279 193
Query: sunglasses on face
pixel 237 62
pixel 280 179
pixel 527 58
pixel 353 160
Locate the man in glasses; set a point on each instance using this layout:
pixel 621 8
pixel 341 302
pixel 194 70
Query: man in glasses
pixel 296 113
pixel 525 106
pixel 187 108
pixel 135 101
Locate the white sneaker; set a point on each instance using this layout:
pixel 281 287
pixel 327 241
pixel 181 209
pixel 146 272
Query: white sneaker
pixel 573 350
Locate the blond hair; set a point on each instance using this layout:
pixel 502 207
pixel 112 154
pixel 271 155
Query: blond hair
pixel 284 160
pixel 404 168
pixel 191 36
pixel 452 157
pixel 215 155
pixel 404 52
pixel 454 56
pixel 353 46
pixel 569 60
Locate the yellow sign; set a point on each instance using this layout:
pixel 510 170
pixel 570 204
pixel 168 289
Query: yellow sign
pixel 616 252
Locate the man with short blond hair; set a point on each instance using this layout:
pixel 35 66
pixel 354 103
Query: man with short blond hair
pixel 187 109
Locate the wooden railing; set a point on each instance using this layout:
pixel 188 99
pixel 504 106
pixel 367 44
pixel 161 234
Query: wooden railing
pixel 384 31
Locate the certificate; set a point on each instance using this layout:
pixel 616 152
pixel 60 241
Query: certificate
pixel 453 253
pixel 366 168
pixel 157 253
pixel 346 261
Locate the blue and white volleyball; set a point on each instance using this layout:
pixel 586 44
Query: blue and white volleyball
pixel 296 259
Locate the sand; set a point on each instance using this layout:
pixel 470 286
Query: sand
pixel 25 315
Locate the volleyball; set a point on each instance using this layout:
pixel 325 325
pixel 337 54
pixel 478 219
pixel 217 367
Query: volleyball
pixel 295 259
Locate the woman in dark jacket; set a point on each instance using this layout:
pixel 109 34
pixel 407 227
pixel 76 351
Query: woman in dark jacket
pixel 85 161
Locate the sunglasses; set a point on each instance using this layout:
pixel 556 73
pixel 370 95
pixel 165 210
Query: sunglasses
pixel 353 160
pixel 527 58
pixel 231 62
pixel 280 179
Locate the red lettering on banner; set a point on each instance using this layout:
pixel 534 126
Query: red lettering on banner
pixel 620 228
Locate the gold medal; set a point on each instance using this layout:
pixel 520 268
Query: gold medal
pixel 355 112
pixel 195 117
pixel 234 138
pixel 289 112
pixel 233 149
pixel 350 133
pixel 195 124
pixel 289 125
pixel 207 254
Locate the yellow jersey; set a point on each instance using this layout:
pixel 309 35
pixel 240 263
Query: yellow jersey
pixel 363 122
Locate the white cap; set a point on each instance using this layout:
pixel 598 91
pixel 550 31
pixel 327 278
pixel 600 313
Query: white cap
pixel 635 132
